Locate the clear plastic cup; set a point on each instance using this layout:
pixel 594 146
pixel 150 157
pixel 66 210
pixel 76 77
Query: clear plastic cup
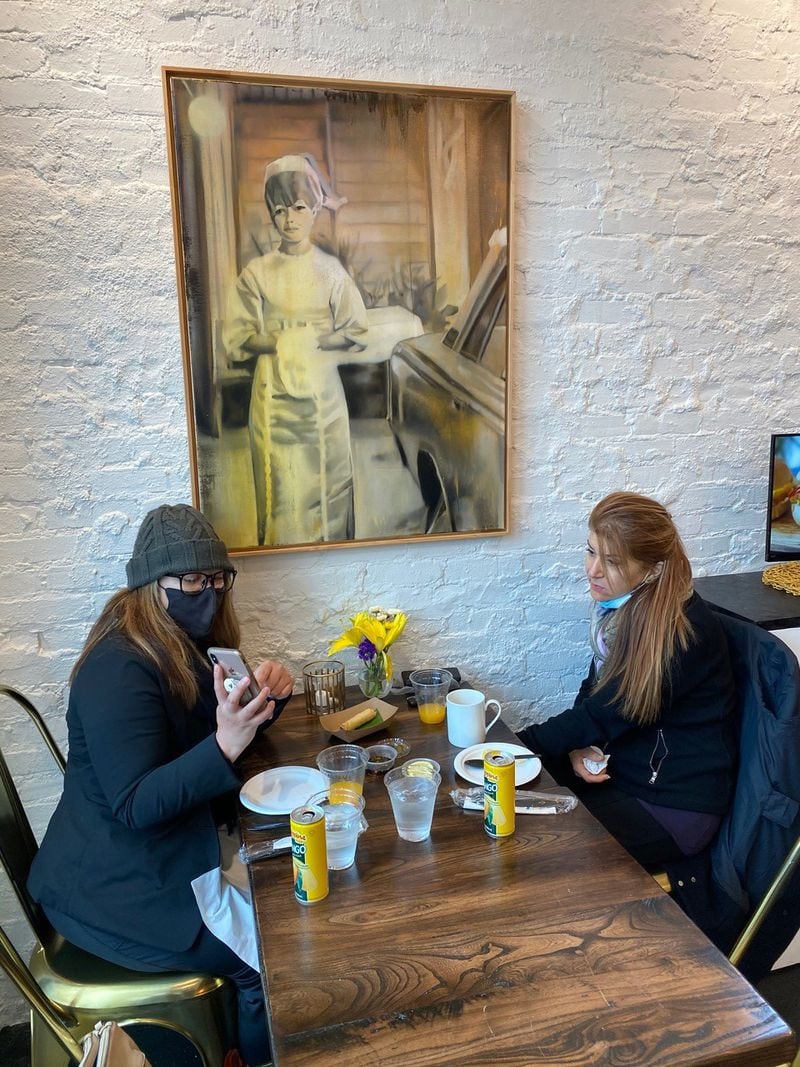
pixel 344 824
pixel 430 689
pixel 413 798
pixel 343 766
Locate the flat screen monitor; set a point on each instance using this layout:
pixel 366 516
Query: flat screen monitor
pixel 783 505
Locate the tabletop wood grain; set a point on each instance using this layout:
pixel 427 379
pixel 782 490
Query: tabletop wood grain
pixel 550 947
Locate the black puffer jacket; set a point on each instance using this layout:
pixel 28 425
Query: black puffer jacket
pixel 721 886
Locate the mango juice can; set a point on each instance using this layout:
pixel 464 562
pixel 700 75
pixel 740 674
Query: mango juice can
pixel 499 816
pixel 309 854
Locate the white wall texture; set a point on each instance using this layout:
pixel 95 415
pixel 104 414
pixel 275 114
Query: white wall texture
pixel 655 344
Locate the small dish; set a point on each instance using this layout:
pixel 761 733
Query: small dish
pixel 380 758
pixel 401 747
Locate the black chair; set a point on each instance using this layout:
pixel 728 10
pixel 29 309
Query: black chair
pixel 68 989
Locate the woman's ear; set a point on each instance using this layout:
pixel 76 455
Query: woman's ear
pixel 656 571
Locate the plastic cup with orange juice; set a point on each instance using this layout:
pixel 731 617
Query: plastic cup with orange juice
pixel 431 712
pixel 430 688
pixel 343 766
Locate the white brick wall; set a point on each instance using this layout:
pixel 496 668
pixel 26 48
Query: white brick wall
pixel 656 340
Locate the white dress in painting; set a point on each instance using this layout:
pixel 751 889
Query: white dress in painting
pixel 299 426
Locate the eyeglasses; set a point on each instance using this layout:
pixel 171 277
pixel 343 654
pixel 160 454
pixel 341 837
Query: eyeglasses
pixel 194 583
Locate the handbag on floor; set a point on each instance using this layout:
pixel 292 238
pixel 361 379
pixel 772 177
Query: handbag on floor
pixel 109 1046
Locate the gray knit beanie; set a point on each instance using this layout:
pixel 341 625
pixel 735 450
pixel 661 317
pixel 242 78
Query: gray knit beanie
pixel 175 539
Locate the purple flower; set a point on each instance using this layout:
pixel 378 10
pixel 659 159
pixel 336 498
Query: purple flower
pixel 366 650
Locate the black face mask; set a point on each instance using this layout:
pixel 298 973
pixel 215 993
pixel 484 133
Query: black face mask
pixel 194 614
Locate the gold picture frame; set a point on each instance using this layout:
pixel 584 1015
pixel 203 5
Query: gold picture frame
pixel 342 253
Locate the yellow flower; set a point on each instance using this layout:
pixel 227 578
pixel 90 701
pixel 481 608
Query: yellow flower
pixel 381 628
pixel 349 639
pixel 371 628
pixel 395 627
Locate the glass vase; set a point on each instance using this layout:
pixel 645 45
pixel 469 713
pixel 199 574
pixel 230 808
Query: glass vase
pixel 372 679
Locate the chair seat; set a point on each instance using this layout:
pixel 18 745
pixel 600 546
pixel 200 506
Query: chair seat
pixel 74 979
pixel 663 880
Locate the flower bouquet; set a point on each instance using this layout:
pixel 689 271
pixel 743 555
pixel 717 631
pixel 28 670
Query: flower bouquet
pixel 371 633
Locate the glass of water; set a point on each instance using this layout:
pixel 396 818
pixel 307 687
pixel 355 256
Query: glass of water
pixel 413 797
pixel 344 824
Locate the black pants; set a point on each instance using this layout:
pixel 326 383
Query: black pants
pixel 622 815
pixel 207 955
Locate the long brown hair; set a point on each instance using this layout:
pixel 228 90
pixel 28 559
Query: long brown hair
pixel 633 529
pixel 138 616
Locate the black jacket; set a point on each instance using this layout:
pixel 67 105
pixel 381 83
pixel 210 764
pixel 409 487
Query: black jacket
pixel 697 739
pixel 135 823
pixel 720 887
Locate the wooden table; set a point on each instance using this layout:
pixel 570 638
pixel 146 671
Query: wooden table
pixel 550 947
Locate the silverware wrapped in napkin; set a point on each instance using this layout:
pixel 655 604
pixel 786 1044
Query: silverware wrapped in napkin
pixel 525 803
pixel 264 850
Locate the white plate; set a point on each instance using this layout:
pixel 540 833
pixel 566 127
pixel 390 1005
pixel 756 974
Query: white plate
pixel 280 790
pixel 525 770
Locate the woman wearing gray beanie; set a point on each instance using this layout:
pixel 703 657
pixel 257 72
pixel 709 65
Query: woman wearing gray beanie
pixel 153 742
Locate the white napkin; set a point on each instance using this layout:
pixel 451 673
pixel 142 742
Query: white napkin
pixel 595 766
pixel 223 897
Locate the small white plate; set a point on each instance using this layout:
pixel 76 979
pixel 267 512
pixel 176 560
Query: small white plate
pixel 525 770
pixel 280 790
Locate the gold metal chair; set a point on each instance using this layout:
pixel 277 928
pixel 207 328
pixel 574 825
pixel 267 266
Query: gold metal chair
pixel 755 921
pixel 69 989
pixel 753 924
pixel 16 969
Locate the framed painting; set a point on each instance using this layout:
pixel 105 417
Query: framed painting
pixel 342 255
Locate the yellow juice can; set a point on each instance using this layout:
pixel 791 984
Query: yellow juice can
pixel 309 854
pixel 499 816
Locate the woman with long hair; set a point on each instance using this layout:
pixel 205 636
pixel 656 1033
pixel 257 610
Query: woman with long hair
pixel 650 735
pixel 154 737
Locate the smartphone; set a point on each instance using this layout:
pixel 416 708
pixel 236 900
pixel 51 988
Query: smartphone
pixel 234 666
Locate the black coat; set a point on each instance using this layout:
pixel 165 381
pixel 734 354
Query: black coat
pixel 697 740
pixel 135 823
pixel 720 887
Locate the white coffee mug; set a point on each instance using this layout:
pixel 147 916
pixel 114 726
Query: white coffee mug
pixel 466 717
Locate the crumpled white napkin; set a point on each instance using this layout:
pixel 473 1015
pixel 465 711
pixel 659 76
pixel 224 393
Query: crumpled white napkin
pixel 595 766
pixel 223 897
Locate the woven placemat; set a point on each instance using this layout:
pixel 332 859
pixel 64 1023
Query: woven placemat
pixel 785 576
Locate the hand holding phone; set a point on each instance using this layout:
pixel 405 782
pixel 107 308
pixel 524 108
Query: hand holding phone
pixel 236 727
pixel 234 669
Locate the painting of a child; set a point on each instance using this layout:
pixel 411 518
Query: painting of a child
pixel 289 308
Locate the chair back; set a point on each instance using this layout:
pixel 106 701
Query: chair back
pixel 38 722
pixel 17 843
